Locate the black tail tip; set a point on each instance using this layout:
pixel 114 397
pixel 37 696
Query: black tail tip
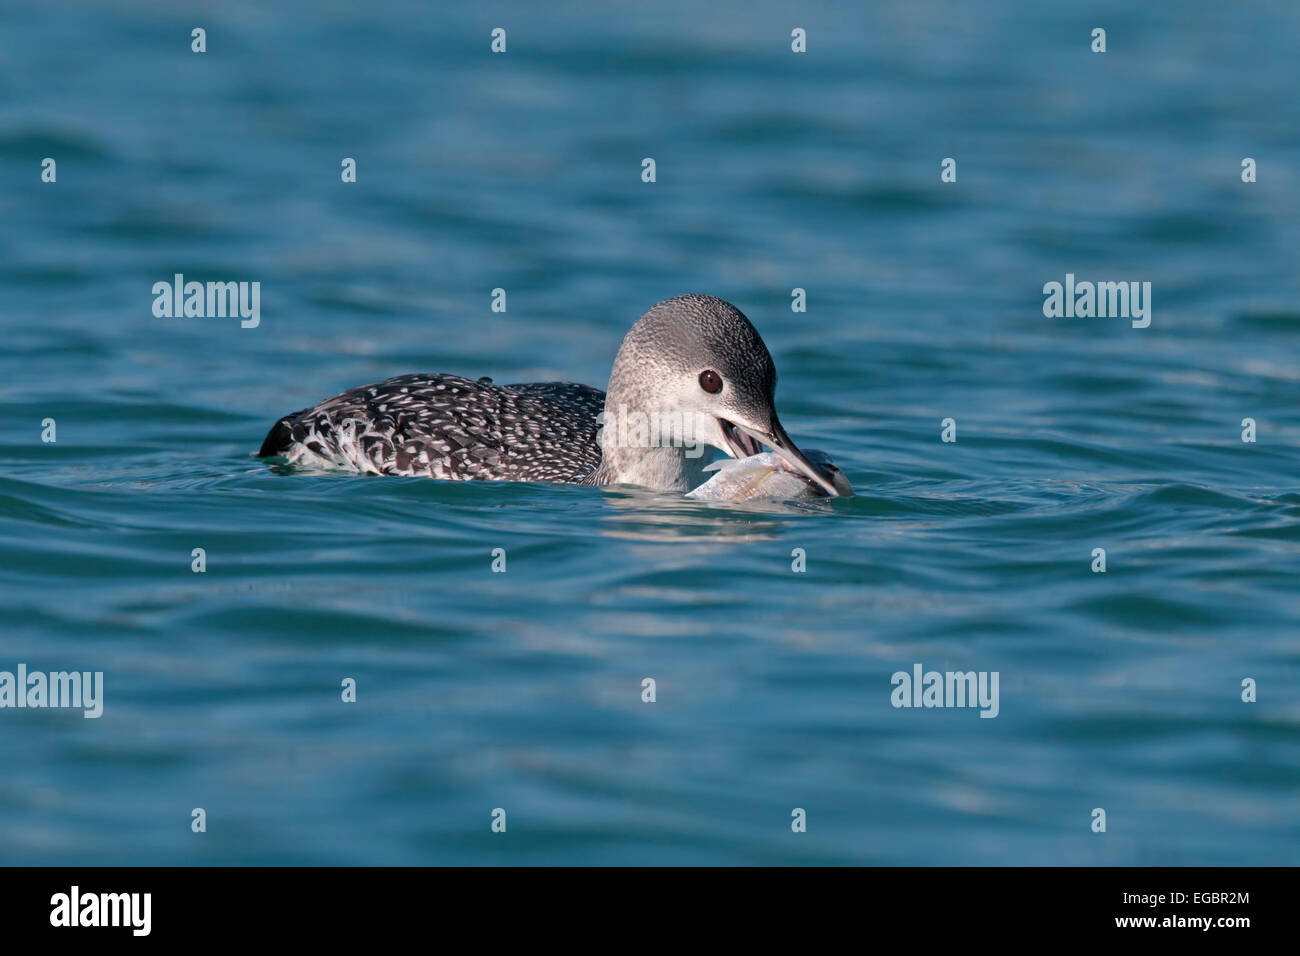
pixel 277 440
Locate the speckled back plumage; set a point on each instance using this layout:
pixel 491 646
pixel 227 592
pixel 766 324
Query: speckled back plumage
pixel 445 426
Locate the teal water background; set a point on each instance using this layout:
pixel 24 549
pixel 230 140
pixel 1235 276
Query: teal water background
pixel 522 690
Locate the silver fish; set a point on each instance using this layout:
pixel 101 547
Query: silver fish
pixel 768 475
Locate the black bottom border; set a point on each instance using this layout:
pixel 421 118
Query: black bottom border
pixel 337 905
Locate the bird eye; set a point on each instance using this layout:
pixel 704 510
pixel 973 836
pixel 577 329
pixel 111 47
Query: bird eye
pixel 711 381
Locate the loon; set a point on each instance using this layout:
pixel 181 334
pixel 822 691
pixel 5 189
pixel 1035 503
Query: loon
pixel 693 360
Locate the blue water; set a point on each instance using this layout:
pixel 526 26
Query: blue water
pixel 522 690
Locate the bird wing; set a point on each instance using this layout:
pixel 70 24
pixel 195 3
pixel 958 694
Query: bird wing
pixel 445 426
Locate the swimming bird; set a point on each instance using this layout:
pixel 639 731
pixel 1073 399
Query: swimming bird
pixel 691 372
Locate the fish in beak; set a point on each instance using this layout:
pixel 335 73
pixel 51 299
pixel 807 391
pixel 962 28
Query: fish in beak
pixel 744 441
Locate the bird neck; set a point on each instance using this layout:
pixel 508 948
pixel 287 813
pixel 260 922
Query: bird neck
pixel 648 446
pixel 662 469
pixel 645 440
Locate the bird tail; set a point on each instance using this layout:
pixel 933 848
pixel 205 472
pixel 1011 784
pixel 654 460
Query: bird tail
pixel 279 438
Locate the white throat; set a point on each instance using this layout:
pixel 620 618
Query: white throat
pixel 663 469
pixel 652 449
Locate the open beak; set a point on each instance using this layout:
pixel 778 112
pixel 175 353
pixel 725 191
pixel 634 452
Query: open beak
pixel 780 443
